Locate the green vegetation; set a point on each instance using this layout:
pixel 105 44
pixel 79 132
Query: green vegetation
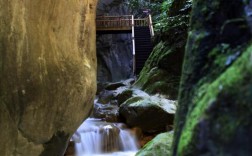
pixel 159 146
pixel 162 71
pixel 158 10
pixel 215 93
pixel 210 108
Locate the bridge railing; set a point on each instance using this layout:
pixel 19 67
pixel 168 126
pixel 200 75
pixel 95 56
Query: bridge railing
pixel 127 22
pixel 118 22
pixel 113 21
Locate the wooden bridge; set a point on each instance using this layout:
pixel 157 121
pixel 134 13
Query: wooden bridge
pixel 141 29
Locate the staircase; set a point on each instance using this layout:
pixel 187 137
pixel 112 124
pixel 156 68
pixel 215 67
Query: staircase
pixel 143 46
pixel 141 29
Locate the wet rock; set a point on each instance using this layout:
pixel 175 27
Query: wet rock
pixel 105 97
pixel 115 85
pixel 111 138
pixel 107 112
pixel 152 114
pixel 123 94
pixel 47 73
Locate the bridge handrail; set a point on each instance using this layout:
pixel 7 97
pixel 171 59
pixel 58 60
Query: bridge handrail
pixel 120 21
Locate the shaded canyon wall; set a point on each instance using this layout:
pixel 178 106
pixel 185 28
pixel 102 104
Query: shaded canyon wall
pixel 47 73
pixel 114 51
pixel 214 111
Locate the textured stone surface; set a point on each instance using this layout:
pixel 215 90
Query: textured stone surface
pixel 214 110
pixel 162 71
pixel 161 145
pixel 114 51
pixel 48 73
pixel 151 114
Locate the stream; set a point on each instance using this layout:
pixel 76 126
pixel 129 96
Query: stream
pixel 100 138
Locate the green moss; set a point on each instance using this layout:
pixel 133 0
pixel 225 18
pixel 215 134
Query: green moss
pixel 155 76
pixel 133 100
pixel 228 83
pixel 159 146
pixel 162 70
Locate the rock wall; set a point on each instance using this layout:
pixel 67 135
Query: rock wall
pixel 47 73
pixel 214 111
pixel 114 51
pixel 162 71
pixel 114 57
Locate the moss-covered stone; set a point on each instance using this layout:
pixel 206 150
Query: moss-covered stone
pixel 215 92
pixel 222 115
pixel 161 145
pixel 125 95
pixel 162 70
pixel 151 114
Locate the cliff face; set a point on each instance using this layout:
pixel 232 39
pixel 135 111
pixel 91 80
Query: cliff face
pixel 162 71
pixel 214 110
pixel 48 73
pixel 114 51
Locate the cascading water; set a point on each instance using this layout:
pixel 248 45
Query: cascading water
pixel 98 138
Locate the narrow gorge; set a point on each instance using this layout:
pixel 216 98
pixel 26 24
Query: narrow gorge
pixel 125 78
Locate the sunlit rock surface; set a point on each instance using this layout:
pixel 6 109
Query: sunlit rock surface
pixel 48 73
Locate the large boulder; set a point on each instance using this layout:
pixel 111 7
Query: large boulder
pixel 106 112
pixel 124 93
pixel 214 110
pixel 151 114
pixel 47 73
pixel 161 145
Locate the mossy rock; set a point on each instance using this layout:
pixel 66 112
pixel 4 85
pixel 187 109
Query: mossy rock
pixel 162 71
pixel 151 114
pixel 213 113
pixel 221 118
pixel 161 74
pixel 161 145
pixel 125 95
pixel 105 97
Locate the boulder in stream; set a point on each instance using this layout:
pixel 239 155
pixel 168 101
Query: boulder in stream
pixel 152 114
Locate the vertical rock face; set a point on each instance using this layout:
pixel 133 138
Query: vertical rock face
pixel 162 71
pixel 114 56
pixel 214 113
pixel 114 51
pixel 47 73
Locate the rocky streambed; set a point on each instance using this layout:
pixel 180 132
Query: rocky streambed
pixel 138 113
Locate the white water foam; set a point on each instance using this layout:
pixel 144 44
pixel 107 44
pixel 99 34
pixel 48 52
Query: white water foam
pixel 98 138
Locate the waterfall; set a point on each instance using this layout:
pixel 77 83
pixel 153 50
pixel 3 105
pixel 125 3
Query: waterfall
pixel 98 138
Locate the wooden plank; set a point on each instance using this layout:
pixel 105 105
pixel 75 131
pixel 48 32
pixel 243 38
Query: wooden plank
pixel 112 28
